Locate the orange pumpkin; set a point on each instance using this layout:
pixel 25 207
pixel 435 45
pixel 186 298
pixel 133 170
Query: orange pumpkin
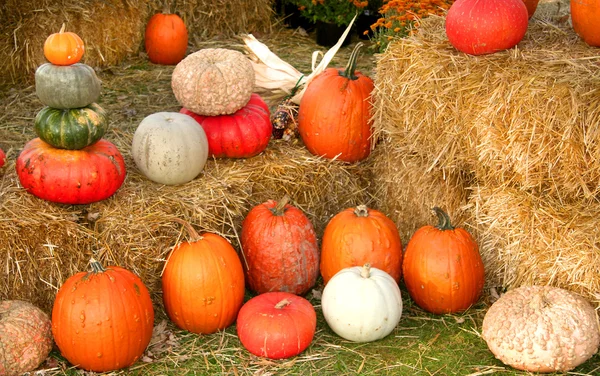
pixel 585 15
pixel 357 236
pixel 203 283
pixel 102 320
pixel 64 48
pixel 443 271
pixel 531 6
pixel 334 114
pixel 166 39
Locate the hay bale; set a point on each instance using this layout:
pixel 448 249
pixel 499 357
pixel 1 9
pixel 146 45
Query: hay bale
pixel 528 117
pixel 526 239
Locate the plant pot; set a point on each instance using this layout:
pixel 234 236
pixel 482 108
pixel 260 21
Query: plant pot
pixel 364 22
pixel 328 34
pixel 292 18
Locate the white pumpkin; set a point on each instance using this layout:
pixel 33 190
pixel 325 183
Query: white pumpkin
pixel 169 148
pixel 362 304
pixel 541 329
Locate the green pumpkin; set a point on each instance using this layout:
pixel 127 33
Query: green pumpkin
pixel 71 129
pixel 68 86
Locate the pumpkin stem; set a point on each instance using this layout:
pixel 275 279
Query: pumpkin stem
pixel 366 270
pixel 96 266
pixel 283 303
pixel 443 219
pixel 279 209
pixel 62 29
pixel 348 72
pixel 361 211
pixel 193 234
pixel 539 302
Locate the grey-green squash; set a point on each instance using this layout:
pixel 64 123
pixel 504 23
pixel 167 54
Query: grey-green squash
pixel 70 86
pixel 71 129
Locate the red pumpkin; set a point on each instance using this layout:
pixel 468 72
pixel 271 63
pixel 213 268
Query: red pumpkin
pixel 585 15
pixel 243 134
pixel 531 6
pixel 443 271
pixel 357 236
pixel 276 325
pixel 83 176
pixel 102 320
pixel 203 283
pixel 2 158
pixel 279 247
pixel 334 114
pixel 166 39
pixel 64 48
pixel 483 27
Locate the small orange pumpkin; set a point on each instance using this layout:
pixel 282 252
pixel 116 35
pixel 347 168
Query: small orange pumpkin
pixel 166 38
pixel 443 271
pixel 203 283
pixel 357 236
pixel 585 15
pixel 64 48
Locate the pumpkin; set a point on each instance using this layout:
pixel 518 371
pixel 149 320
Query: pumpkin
pixel 362 304
pixel 66 87
pixel 102 320
pixel 91 174
pixel 169 148
pixel 166 38
pixel 334 113
pixel 2 158
pixel 25 337
pixel 531 6
pixel 213 81
pixel 63 48
pixel 484 27
pixel 73 128
pixel 585 16
pixel 276 325
pixel 443 271
pixel 357 236
pixel 279 248
pixel 541 329
pixel 203 283
pixel 243 134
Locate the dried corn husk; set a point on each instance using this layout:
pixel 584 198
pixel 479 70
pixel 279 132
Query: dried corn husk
pixel 278 77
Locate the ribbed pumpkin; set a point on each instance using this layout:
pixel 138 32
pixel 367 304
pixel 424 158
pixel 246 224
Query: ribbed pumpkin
pixel 102 320
pixel 585 15
pixel 276 325
pixel 203 283
pixel 64 47
pixel 334 114
pixel 443 271
pixel 166 38
pixel 213 81
pixel 279 247
pixel 66 87
pixel 25 337
pixel 83 176
pixel 71 129
pixel 357 236
pixel 243 134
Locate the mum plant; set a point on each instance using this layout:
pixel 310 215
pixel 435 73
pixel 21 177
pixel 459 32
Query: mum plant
pixel 339 12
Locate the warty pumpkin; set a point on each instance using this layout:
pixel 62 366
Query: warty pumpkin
pixel 443 271
pixel 25 337
pixel 64 47
pixel 243 134
pixel 213 81
pixel 203 283
pixel 71 129
pixel 357 236
pixel 66 87
pixel 334 113
pixel 279 248
pixel 102 320
pixel 73 177
pixel 585 16
pixel 166 38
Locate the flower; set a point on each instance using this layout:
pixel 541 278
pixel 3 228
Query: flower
pixel 339 12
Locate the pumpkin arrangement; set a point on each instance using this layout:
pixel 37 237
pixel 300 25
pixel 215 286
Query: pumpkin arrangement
pixel 69 162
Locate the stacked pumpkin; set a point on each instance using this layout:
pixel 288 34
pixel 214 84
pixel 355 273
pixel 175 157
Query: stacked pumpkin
pixel 69 162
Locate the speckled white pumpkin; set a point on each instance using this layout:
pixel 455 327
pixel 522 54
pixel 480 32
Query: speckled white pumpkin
pixel 169 148
pixel 213 81
pixel 541 329
pixel 362 304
